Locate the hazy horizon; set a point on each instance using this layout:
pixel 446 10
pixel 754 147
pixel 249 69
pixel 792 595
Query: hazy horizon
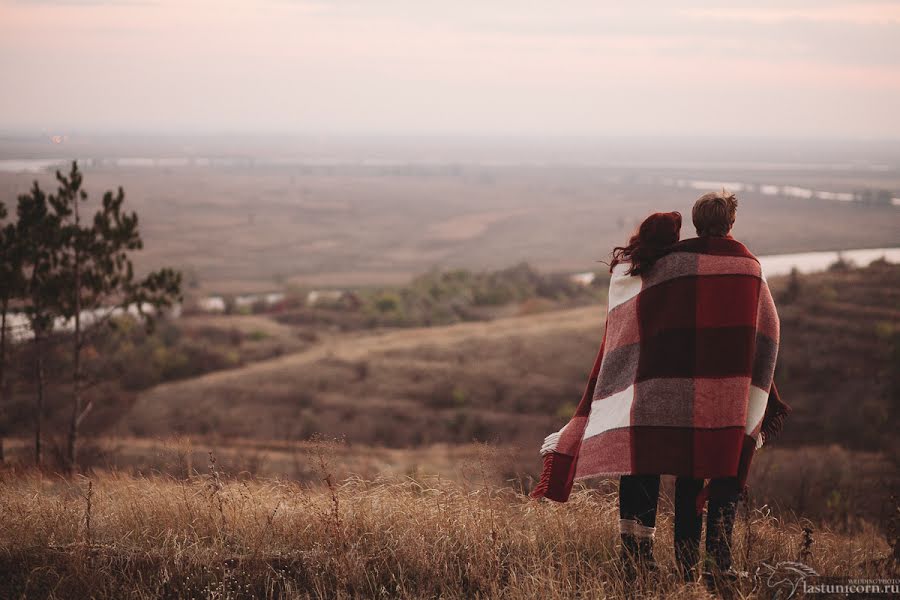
pixel 710 152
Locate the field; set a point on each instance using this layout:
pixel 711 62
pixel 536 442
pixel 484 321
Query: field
pixel 383 445
pixel 410 401
pixel 114 536
pixel 246 227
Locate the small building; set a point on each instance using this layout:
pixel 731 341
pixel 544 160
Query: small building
pixel 333 299
pixel 211 304
pixel 251 300
pixel 585 279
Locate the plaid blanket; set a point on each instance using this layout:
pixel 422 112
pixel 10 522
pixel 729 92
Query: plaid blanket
pixel 682 384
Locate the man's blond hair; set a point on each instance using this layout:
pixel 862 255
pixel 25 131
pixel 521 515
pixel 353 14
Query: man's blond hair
pixel 714 213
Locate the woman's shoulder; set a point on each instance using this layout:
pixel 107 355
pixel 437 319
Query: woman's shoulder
pixel 622 286
pixel 621 270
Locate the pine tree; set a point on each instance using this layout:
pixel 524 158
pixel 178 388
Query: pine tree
pixel 99 279
pixel 39 243
pixel 10 288
pixel 62 266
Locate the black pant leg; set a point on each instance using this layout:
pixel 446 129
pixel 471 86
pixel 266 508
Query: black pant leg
pixel 688 524
pixel 723 499
pixel 638 497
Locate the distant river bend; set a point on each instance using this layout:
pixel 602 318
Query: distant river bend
pixel 811 262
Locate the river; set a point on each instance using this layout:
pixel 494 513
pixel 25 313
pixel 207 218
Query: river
pixel 810 262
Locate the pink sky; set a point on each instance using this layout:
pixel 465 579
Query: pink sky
pixel 791 68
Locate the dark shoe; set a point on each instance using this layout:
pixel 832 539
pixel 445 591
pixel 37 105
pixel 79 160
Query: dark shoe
pixel 720 525
pixel 724 582
pixel 686 574
pixel 687 556
pixel 637 557
pixel 645 554
pixel 628 555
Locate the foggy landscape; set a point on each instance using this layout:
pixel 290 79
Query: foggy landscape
pixel 367 271
pixel 253 214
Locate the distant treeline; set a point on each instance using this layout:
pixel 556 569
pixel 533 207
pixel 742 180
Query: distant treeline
pixel 444 297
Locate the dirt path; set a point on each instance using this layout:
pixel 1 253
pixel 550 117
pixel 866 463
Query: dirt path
pixel 246 324
pixel 354 346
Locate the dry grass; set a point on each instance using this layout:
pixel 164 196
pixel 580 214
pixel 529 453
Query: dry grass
pixel 116 536
pixel 292 460
pixel 503 379
pixel 844 489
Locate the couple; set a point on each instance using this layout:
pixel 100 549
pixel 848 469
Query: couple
pixel 682 386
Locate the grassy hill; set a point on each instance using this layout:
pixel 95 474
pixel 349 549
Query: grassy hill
pixel 839 365
pixel 412 399
pixel 116 536
pixel 487 380
pixel 513 379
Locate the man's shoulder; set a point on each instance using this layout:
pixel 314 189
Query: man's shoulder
pixel 715 246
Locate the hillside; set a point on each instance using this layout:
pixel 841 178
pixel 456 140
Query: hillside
pixel 485 380
pixel 412 400
pixel 839 365
pixel 513 379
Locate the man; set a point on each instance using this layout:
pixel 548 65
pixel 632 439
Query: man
pixel 682 385
pixel 714 214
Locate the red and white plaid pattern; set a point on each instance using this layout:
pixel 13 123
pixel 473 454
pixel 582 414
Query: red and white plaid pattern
pixel 683 377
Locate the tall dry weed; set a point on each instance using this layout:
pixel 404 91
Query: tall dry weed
pixel 117 536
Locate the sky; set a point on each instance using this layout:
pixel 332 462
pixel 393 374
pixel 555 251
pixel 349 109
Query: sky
pixel 785 68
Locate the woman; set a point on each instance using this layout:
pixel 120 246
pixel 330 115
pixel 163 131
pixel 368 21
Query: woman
pixel 655 236
pixel 679 387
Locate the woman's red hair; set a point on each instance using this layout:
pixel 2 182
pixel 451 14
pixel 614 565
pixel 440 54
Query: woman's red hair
pixel 652 241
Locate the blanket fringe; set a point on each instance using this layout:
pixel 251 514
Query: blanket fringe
pixel 551 442
pixel 776 413
pixel 774 424
pixel 556 477
pixel 540 490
